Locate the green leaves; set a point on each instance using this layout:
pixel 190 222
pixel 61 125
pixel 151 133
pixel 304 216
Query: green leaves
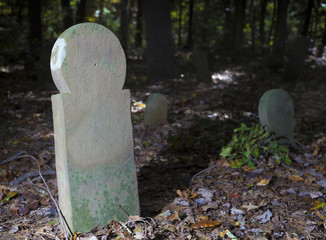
pixel 249 143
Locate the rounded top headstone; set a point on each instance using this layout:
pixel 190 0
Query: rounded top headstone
pixel 86 52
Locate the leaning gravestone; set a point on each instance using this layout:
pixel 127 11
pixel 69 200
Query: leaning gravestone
pixel 276 112
pixel 156 111
pixel 94 149
pixel 200 63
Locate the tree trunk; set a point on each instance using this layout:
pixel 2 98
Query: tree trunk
pixel 281 28
pixel 240 6
pixel 227 27
pixel 191 11
pixel 81 7
pixel 139 24
pixel 179 24
pixel 262 24
pixel 308 17
pixel 35 27
pixel 271 29
pixel 159 42
pixel 253 25
pixel 124 25
pixel 67 13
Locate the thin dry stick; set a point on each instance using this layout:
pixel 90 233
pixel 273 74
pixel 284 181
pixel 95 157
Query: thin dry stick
pixel 48 189
pixel 16 156
pixel 218 164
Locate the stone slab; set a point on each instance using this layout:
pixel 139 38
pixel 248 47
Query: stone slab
pixel 276 115
pixel 156 111
pixel 94 148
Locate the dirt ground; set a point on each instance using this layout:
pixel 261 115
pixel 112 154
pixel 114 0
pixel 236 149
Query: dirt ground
pixel 270 202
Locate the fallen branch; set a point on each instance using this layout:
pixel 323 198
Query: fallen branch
pixel 24 176
pixel 218 164
pixel 16 156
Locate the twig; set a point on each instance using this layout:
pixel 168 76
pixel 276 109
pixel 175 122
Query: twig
pixel 24 176
pixel 48 189
pixel 16 156
pixel 218 164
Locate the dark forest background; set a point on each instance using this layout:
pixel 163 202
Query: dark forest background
pixel 166 29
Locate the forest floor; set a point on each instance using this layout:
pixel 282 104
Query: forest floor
pixel 272 201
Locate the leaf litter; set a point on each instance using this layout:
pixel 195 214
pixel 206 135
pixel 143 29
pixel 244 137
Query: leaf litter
pixel 186 190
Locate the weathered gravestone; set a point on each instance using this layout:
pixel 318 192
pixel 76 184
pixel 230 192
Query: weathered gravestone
pixel 92 126
pixel 297 53
pixel 200 63
pixel 276 112
pixel 156 111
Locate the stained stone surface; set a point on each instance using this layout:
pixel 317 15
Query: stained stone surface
pixel 92 126
pixel 276 113
pixel 156 111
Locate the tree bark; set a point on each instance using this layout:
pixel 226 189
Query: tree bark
pixel 67 13
pixel 159 42
pixel 124 25
pixel 308 17
pixel 139 24
pixel 179 24
pixel 281 28
pixel 189 36
pixel 271 29
pixel 240 6
pixel 262 24
pixel 35 27
pixel 81 7
pixel 253 25
pixel 227 27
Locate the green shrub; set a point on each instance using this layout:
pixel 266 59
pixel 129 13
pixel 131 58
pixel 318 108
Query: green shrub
pixel 249 143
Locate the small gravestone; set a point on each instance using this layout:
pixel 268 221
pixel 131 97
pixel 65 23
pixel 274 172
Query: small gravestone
pixel 156 111
pixel 297 53
pixel 200 63
pixel 276 112
pixel 94 149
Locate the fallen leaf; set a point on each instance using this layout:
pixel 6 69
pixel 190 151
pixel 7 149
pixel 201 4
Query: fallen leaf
pixel 205 224
pixel 249 207
pixel 9 195
pixel 317 205
pixel 296 178
pixel 263 182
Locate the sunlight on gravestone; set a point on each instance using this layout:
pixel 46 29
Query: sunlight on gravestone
pixel 94 148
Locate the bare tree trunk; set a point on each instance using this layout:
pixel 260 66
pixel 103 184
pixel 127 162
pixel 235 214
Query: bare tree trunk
pixel 81 7
pixel 308 17
pixel 281 28
pixel 262 24
pixel 159 42
pixel 240 6
pixel 124 25
pixel 227 27
pixel 139 24
pixel 179 24
pixel 67 13
pixel 35 27
pixel 191 11
pixel 271 29
pixel 253 25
